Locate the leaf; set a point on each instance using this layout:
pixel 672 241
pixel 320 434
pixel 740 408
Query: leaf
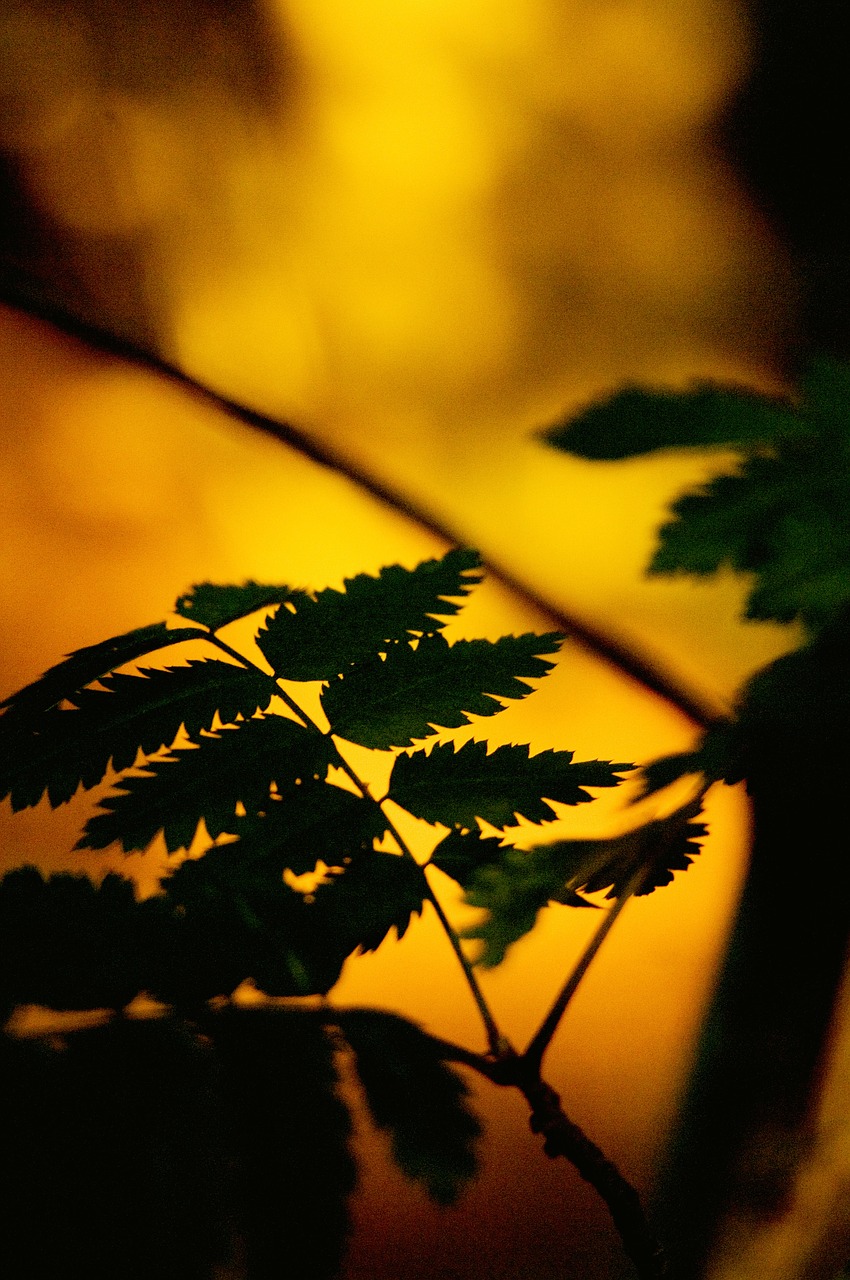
pixel 215 606
pixel 413 1094
pixel 229 919
pixel 515 889
pixel 374 893
pixel 67 943
pixel 456 787
pixel 317 637
pixel 387 703
pixel 715 757
pixel 236 766
pixel 636 421
pixel 462 852
pixel 313 822
pixel 83 666
pixel 132 713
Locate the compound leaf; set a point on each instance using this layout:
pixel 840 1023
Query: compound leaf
pixel 388 702
pixel 215 606
pixel 463 851
pixel 144 712
pixel 636 421
pixel 317 637
pixel 415 1096
pixel 456 787
pixel 236 766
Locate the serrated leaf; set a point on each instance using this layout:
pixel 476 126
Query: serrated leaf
pixel 66 748
pixel 637 421
pixel 317 637
pixel 515 889
pixel 715 757
pixel 236 766
pixel 373 894
pixel 232 919
pixel 215 606
pixel 457 787
pixel 310 823
pixel 383 703
pixel 86 665
pixel 415 1096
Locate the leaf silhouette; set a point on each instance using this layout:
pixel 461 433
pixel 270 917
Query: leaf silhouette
pixel 456 787
pixel 83 666
pixel 215 606
pixel 238 765
pixel 317 637
pixel 374 893
pixel 462 852
pixel 636 421
pixel 388 702
pixel 515 889
pixel 132 713
pixel 418 1098
pixel 313 822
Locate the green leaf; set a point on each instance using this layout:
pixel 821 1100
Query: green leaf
pixel 636 421
pixel 716 758
pixel 373 894
pixel 236 766
pixel 388 702
pixel 515 889
pixel 67 943
pixel 215 606
pixel 317 637
pixel 462 852
pixel 456 787
pixel 310 823
pixel 83 666
pixel 415 1096
pixel 68 747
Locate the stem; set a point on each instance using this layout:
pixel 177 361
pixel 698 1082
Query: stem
pixel 542 1037
pixel 625 656
pixel 495 1040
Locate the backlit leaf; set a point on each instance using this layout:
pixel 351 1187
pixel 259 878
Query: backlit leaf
pixel 418 1098
pixel 388 702
pixel 317 637
pixel 456 787
pixel 131 713
pixel 236 766
pixel 215 606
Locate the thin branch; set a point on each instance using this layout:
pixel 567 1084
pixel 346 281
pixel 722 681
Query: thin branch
pixel 542 1037
pixel 626 657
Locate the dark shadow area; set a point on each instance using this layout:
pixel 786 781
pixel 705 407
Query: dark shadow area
pixel 786 133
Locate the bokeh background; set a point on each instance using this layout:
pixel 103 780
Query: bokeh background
pixel 418 232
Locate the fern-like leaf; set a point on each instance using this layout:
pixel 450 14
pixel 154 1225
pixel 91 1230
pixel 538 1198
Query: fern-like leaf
pixel 66 748
pixel 84 666
pixel 410 693
pixel 358 906
pixel 215 606
pixel 456 787
pixel 317 637
pixel 415 1096
pixel 237 766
